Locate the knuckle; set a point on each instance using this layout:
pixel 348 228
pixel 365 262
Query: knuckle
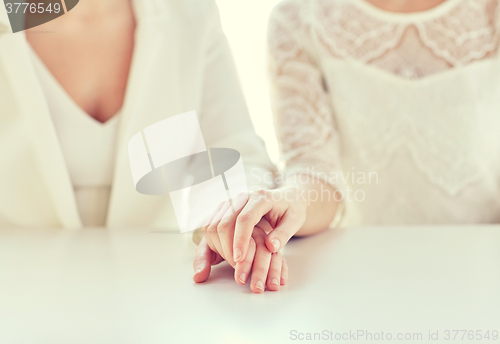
pixel 263 252
pixel 260 244
pixel 244 218
pixel 248 262
pixel 281 235
pixel 259 270
pixel 274 272
pixel 252 244
pixel 245 266
pixel 224 226
pixel 242 196
pixel 220 228
pixel 250 250
pixel 212 228
pixel 262 195
pixel 239 242
pixel 261 192
pixel 199 259
pixel 245 247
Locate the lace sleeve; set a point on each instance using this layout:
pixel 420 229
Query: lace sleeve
pixel 303 118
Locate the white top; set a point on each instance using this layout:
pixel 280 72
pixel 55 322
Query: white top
pixel 413 99
pixel 88 147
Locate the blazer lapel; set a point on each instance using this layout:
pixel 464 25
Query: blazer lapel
pixel 32 106
pixel 4 21
pixel 143 107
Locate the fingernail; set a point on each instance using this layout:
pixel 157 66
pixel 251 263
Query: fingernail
pixel 283 281
pixel 275 281
pixel 276 244
pixel 237 254
pixel 243 278
pixel 198 270
pixel 259 285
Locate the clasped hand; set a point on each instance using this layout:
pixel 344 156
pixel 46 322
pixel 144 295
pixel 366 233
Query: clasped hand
pixel 250 237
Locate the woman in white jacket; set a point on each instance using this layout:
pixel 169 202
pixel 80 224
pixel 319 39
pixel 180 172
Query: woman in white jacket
pixel 74 90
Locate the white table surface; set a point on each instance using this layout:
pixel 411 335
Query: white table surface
pixel 135 286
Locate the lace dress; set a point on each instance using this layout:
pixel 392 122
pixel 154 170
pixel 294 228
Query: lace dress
pixel 401 111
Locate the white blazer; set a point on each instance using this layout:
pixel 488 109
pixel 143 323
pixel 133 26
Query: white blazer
pixel 181 62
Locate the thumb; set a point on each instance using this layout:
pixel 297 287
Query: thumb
pixel 204 258
pixel 283 232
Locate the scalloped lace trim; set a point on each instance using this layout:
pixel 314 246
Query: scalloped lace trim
pixel 412 50
pixel 305 124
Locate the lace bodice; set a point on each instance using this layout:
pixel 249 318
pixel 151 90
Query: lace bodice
pixel 410 47
pixel 414 98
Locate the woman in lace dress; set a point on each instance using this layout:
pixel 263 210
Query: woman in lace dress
pixel 400 99
pixel 388 112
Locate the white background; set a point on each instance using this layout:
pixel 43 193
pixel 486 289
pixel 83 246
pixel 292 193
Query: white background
pixel 245 25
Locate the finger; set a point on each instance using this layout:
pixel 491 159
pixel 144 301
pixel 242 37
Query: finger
pixel 225 231
pixel 222 211
pixel 204 229
pixel 218 248
pixel 274 275
pixel 215 245
pixel 243 269
pixel 286 228
pixel 212 231
pixel 210 243
pixel 210 218
pixel 284 272
pixel 239 201
pixel 217 258
pixel 264 225
pixel 203 260
pixel 258 205
pixel 260 266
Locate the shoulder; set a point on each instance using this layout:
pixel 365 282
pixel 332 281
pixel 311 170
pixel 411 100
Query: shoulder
pixel 198 13
pixel 290 18
pixel 191 8
pixel 194 18
pixel 302 11
pixel 295 14
pixel 289 12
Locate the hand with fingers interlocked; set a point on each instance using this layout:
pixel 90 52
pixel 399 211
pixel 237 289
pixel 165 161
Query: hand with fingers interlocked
pixel 250 239
pixel 266 268
pixel 250 231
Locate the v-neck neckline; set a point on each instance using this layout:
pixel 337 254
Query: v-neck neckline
pixel 78 109
pixel 154 23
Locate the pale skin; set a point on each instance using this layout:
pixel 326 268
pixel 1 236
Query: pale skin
pixel 229 238
pixel 405 6
pixel 89 51
pixel 282 213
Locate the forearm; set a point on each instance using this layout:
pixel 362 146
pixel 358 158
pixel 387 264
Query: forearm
pixel 321 202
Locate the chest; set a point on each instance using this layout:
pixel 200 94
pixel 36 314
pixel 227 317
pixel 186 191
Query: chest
pixel 91 64
pixel 405 6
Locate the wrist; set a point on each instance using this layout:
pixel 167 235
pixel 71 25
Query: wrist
pixel 294 193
